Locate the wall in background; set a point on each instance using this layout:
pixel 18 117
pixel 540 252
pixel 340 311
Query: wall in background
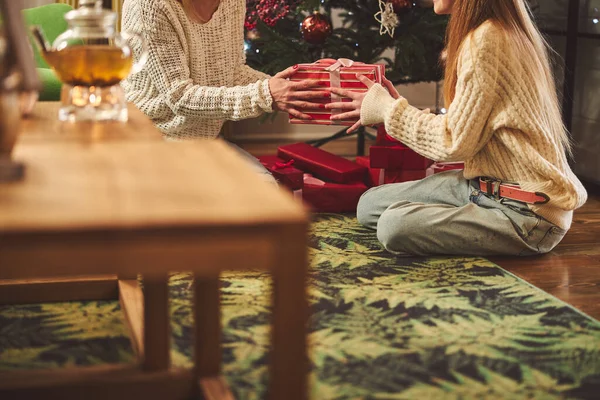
pixel 586 98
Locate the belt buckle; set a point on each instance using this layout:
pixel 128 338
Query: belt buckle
pixel 492 186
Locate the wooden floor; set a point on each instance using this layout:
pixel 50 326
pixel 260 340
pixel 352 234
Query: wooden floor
pixel 571 271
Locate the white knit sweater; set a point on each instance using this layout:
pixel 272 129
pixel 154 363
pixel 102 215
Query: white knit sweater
pixel 492 125
pixel 196 76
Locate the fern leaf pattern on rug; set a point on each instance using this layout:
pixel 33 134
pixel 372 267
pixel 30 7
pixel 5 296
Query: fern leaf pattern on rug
pixel 381 327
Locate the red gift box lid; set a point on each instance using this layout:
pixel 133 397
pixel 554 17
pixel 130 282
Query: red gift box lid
pixel 322 163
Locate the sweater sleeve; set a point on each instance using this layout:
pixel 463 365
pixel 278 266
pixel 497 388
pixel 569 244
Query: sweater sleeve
pixel 246 75
pixel 168 65
pixel 460 133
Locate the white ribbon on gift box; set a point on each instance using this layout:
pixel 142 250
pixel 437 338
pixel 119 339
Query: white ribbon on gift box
pixel 311 180
pixel 335 79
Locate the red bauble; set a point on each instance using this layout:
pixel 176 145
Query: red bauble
pixel 315 28
pixel 401 6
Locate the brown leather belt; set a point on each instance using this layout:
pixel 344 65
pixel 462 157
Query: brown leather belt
pixel 498 189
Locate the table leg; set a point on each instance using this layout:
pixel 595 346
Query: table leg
pixel 289 365
pixel 131 298
pixel 156 323
pixel 207 317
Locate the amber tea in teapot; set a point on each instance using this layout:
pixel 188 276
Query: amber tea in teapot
pixel 91 65
pixel 91 58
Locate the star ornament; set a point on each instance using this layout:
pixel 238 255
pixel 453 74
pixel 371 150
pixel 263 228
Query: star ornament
pixel 387 18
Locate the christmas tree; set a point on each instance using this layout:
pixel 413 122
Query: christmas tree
pixel 404 34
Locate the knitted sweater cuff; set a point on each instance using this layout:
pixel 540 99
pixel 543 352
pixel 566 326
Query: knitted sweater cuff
pixel 376 105
pixel 267 103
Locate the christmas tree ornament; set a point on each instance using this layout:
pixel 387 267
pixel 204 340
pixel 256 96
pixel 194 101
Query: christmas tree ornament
pixel 387 18
pixel 401 6
pixel 253 34
pixel 269 11
pixel 315 28
pixel 251 18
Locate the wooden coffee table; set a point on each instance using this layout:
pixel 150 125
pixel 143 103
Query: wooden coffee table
pixel 89 211
pixel 43 126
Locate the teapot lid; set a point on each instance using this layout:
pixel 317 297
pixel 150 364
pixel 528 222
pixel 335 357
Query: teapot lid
pixel 91 14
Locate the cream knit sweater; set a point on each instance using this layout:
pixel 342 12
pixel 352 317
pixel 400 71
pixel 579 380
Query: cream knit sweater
pixel 196 76
pixel 491 125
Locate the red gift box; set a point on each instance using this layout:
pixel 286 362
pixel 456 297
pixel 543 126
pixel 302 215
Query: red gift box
pixel 288 176
pixel 379 176
pixel 335 74
pixel 322 163
pixel 323 196
pixel 444 166
pixel 397 158
pixel 373 175
pixel 383 139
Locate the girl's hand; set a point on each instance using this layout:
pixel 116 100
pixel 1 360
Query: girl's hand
pixel 391 88
pixel 353 108
pixel 291 96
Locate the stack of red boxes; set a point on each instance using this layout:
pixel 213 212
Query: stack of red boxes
pixel 390 161
pixel 331 183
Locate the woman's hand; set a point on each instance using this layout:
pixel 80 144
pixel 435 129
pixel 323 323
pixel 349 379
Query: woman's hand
pixel 291 96
pixel 352 109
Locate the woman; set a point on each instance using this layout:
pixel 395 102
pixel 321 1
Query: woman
pixel 196 76
pixel 503 120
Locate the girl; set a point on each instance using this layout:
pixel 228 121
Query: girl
pixel 517 194
pixel 196 76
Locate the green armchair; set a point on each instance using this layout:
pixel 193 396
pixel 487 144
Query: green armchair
pixel 51 18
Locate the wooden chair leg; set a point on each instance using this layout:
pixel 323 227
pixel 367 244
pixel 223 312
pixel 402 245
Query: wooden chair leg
pixel 207 317
pixel 156 323
pixel 289 365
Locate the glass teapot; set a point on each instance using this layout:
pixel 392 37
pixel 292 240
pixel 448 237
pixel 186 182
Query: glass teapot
pixel 91 59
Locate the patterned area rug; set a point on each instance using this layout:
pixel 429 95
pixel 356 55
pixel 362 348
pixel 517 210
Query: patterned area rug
pixel 381 328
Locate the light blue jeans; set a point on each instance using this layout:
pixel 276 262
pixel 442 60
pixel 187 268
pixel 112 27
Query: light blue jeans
pixel 445 214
